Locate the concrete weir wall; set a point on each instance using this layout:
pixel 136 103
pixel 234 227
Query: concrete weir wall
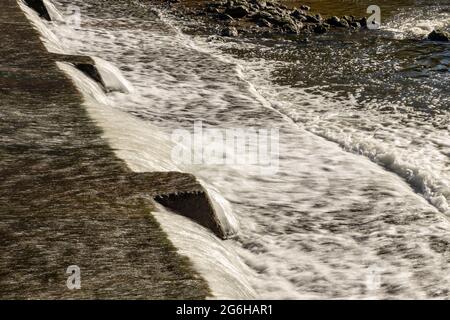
pixel 66 199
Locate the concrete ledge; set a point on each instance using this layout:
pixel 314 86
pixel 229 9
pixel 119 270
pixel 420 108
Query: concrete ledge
pixel 66 199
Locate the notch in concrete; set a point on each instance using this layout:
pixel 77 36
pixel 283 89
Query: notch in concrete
pixel 180 192
pixel 39 7
pixel 195 206
pixel 92 72
pixel 85 64
pixel 105 74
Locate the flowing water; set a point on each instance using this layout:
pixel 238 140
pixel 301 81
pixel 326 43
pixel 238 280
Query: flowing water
pixel 358 207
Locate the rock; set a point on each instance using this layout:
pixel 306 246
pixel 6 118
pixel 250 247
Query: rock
pixel 264 23
pixel 349 19
pixel 306 8
pixel 336 22
pixel 241 3
pixel 292 28
pixel 217 4
pixel 253 8
pixel 298 15
pixel 230 32
pixel 276 17
pixel 333 21
pixel 312 19
pixel 344 24
pixel 237 12
pixel 439 35
pixel 355 25
pixel 272 4
pixel 275 12
pixel 363 22
pixel 262 15
pixel 283 20
pixel 320 29
pixel 260 3
pixel 214 38
pixel 225 17
pixel 212 8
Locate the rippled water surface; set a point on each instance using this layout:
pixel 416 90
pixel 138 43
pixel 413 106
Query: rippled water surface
pixel 359 205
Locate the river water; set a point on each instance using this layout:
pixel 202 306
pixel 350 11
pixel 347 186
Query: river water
pixel 358 206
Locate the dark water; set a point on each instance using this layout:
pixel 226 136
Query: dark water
pixel 392 64
pixel 356 7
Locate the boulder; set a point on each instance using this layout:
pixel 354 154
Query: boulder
pixel 320 29
pixel 349 19
pixel 264 23
pixel 439 35
pixel 275 11
pixel 225 17
pixel 230 32
pixel 261 4
pixel 355 25
pixel 336 22
pixel 237 12
pixel 262 15
pixel 212 8
pixel 306 8
pixel 363 22
pixel 282 20
pixel 313 19
pixel 298 15
pixel 292 28
pixel 270 3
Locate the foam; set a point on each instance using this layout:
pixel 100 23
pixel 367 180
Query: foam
pixel 48 37
pixel 329 219
pixel 112 77
pixel 418 22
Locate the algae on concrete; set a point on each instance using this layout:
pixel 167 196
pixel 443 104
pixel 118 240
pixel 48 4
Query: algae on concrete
pixel 65 198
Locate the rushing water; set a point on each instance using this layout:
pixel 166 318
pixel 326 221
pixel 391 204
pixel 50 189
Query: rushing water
pixel 359 205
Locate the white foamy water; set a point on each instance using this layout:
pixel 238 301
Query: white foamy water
pixel 415 150
pixel 145 148
pixel 50 40
pixel 333 222
pixel 221 266
pixel 419 22
pixel 54 14
pixel 112 77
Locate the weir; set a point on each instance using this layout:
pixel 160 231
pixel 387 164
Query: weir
pixel 67 199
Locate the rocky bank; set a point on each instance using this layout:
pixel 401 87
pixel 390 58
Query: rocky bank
pixel 235 17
